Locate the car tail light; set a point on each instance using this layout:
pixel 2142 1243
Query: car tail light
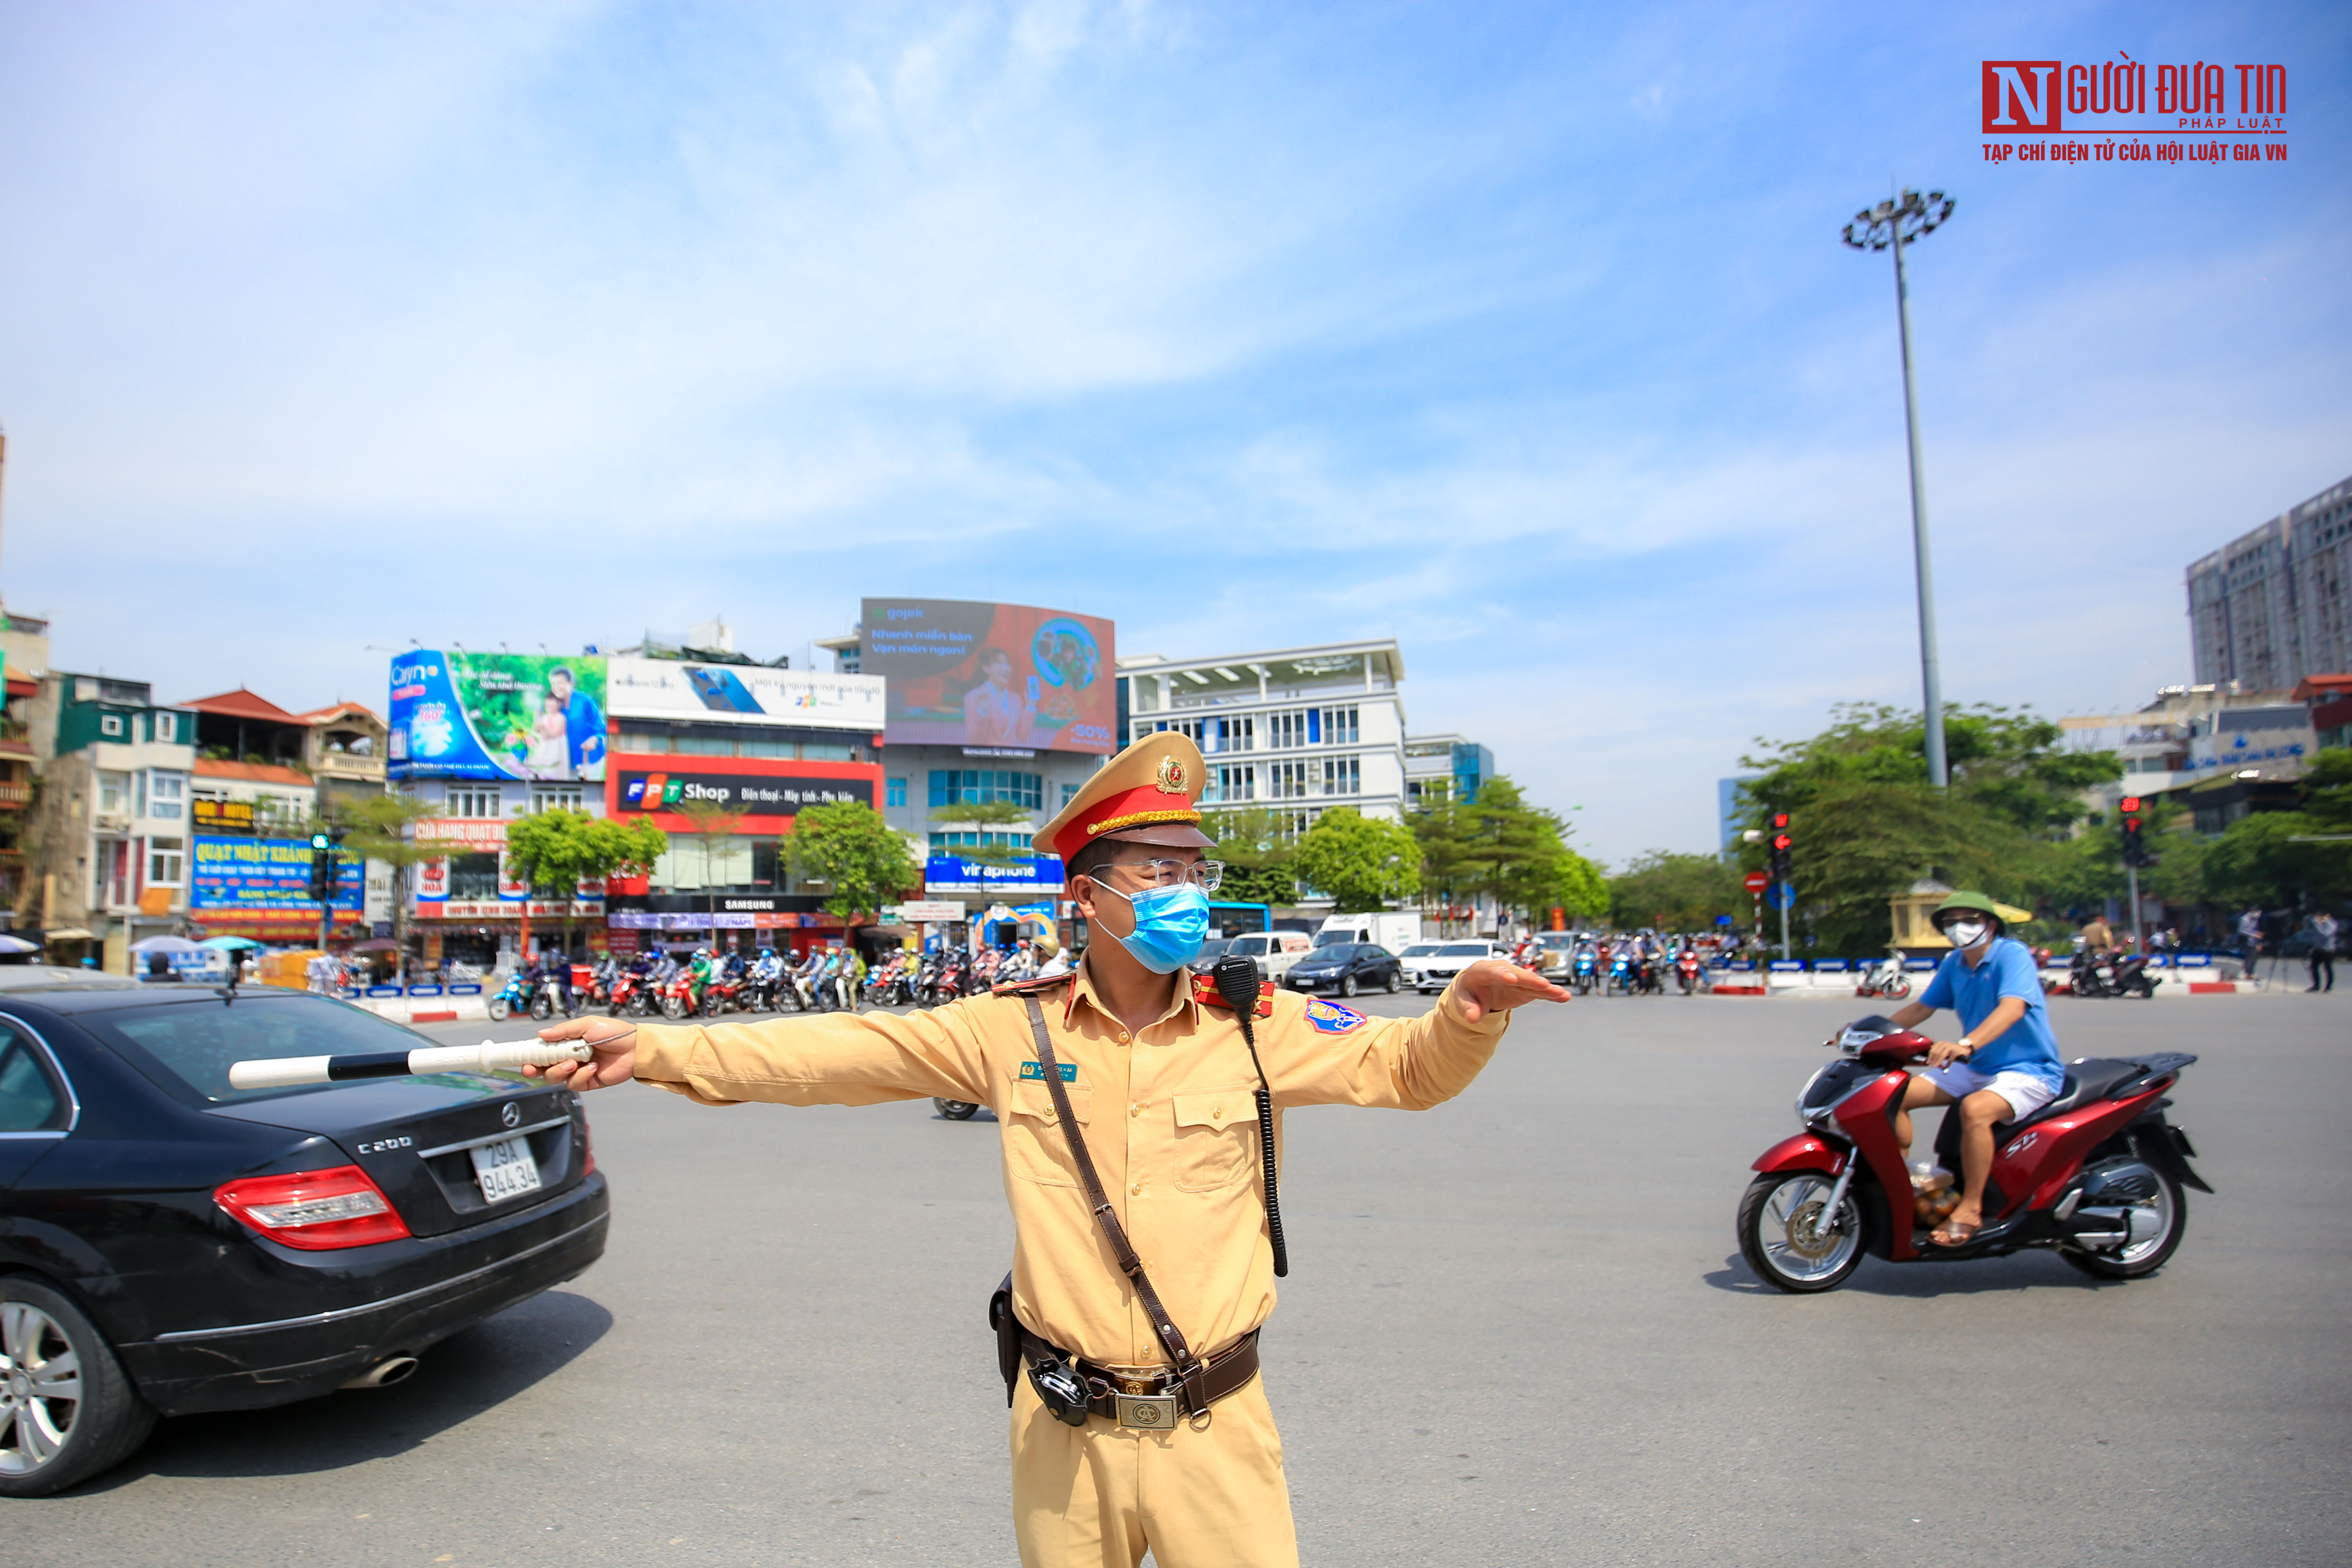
pixel 588 1139
pixel 315 1210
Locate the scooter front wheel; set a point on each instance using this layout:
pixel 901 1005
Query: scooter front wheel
pixel 1782 1238
pixel 956 1110
pixel 499 1010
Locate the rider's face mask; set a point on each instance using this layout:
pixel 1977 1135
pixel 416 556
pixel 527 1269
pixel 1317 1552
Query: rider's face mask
pixel 1966 934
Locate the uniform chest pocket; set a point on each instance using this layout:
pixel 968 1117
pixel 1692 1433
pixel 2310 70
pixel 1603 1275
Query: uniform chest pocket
pixel 1216 1138
pixel 1034 1148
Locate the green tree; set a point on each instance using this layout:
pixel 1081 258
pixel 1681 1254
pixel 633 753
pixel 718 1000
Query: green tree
pixel 1514 853
pixel 551 850
pixel 1676 892
pixel 1361 863
pixel 1257 847
pixel 2257 860
pixel 1867 824
pixel 384 828
pixel 854 854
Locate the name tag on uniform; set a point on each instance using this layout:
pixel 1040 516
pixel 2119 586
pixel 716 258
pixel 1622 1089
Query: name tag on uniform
pixel 1036 1071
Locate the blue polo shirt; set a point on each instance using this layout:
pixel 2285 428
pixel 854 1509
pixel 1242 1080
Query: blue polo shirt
pixel 2027 1045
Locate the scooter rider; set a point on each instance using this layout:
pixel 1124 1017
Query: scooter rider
pixel 2003 1067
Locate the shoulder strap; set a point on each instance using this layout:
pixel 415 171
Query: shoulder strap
pixel 1171 1339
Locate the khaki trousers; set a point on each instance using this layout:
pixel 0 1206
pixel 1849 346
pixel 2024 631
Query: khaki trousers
pixel 1099 1496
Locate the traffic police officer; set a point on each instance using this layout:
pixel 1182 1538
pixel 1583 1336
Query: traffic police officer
pixel 1158 1078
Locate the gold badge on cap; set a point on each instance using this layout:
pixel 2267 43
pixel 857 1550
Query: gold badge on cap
pixel 1169 779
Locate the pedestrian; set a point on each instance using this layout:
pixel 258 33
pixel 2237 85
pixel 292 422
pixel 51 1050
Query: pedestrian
pixel 1143 1263
pixel 2323 934
pixel 2249 939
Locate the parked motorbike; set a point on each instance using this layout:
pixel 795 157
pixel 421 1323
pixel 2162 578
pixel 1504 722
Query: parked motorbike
pixel 2117 974
pixel 2097 1174
pixel 1886 979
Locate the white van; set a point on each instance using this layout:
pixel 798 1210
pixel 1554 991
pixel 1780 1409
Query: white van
pixel 1394 929
pixel 1275 951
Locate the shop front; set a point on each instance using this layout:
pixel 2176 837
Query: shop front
pixel 681 922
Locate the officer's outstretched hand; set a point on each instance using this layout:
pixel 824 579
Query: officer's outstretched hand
pixel 1492 986
pixel 614 1043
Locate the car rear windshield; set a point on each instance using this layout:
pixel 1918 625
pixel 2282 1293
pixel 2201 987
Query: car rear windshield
pixel 1418 950
pixel 1214 947
pixel 188 1046
pixel 1462 950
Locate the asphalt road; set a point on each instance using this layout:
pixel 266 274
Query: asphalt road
pixel 1516 1331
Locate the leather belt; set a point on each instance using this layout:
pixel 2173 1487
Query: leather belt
pixel 1151 1399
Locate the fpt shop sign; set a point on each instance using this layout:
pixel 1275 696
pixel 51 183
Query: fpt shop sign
pixel 263 873
pixel 752 794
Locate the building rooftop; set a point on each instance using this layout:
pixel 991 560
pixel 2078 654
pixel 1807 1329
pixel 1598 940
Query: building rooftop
pixel 252 773
pixel 335 711
pixel 242 703
pixel 1317 665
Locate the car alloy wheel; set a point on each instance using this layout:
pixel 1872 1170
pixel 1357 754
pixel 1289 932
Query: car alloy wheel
pixel 67 1411
pixel 1347 985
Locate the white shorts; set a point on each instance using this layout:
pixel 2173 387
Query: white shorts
pixel 2025 1092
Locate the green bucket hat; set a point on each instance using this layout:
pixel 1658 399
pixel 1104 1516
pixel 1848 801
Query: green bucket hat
pixel 1973 903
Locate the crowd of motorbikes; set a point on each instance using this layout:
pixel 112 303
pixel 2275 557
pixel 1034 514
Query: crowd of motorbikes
pixel 1636 964
pixel 706 984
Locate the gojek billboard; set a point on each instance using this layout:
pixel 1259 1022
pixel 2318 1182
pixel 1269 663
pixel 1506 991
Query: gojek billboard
pixel 497 715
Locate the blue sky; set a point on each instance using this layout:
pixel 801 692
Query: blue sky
pixel 1520 334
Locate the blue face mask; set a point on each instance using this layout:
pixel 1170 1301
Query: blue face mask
pixel 1172 924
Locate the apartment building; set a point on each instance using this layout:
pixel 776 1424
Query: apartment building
pixel 112 851
pixel 2275 605
pixel 1298 730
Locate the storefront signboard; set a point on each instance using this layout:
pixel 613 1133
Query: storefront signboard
pixel 237 873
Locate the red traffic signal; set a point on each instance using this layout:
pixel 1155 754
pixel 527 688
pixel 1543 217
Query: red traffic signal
pixel 1782 841
pixel 1780 819
pixel 2128 805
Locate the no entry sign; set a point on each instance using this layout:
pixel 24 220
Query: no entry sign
pixel 1755 882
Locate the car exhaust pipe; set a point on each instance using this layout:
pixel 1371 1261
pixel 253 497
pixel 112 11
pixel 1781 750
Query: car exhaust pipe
pixel 385 1372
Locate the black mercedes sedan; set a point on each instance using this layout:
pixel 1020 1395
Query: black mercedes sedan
pixel 169 1244
pixel 1347 968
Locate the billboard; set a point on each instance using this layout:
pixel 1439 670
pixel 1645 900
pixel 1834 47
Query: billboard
pixel 741 694
pixel 497 715
pixel 264 874
pixel 994 677
pixel 763 794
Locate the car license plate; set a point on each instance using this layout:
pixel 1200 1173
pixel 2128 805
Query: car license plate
pixel 505 1169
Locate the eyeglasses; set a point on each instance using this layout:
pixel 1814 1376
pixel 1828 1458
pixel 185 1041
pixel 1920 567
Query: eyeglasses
pixel 1204 874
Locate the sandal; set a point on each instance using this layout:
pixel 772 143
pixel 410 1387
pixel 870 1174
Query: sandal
pixel 1950 1233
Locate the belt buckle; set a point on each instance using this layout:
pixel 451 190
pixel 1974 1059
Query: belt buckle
pixel 1146 1411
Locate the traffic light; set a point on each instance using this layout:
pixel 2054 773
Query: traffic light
pixel 1781 845
pixel 324 869
pixel 2134 847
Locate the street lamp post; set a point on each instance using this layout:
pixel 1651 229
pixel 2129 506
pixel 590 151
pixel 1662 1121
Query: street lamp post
pixel 1891 226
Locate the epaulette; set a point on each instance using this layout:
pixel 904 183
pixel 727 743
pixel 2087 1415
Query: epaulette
pixel 1023 988
pixel 1205 992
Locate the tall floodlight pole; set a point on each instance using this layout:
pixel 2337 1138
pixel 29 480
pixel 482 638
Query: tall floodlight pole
pixel 1891 226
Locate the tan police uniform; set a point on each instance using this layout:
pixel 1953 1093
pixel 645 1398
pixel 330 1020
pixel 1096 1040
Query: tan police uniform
pixel 1168 1116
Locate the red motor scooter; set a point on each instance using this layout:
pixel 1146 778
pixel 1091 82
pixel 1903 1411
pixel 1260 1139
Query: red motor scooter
pixel 2097 1174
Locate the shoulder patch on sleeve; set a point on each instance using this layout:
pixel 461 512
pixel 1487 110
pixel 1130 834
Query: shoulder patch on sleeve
pixel 1024 987
pixel 1205 992
pixel 1330 1018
